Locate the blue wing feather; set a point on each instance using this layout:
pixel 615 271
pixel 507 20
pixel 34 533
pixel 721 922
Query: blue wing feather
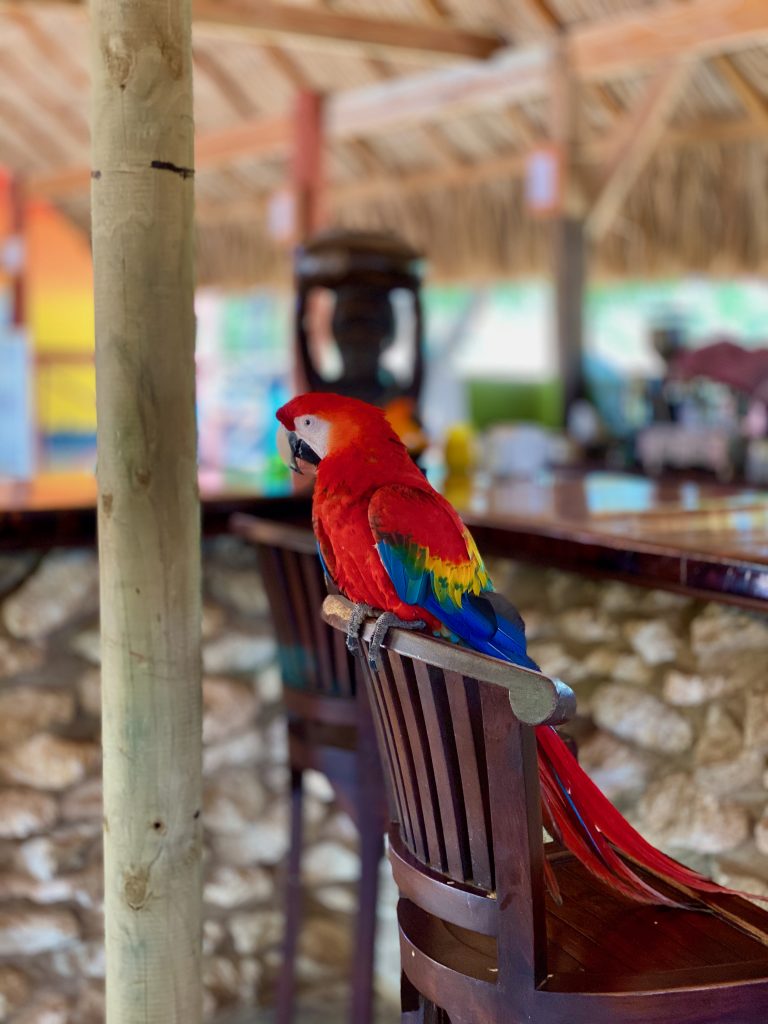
pixel 483 621
pixel 324 564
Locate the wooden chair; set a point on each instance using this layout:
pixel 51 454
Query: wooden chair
pixel 481 941
pixel 329 729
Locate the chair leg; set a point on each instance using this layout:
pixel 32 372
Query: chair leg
pixel 411 1003
pixel 371 852
pixel 286 990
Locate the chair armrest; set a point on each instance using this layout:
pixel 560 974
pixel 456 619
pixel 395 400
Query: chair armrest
pixel 535 698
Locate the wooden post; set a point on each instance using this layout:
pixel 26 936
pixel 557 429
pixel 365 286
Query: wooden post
pixel 308 145
pixel 149 537
pixel 307 181
pixel 568 237
pixel 570 273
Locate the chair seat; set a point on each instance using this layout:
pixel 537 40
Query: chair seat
pixel 598 940
pixel 601 942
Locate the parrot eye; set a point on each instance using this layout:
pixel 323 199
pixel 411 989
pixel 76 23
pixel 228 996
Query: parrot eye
pixel 307 421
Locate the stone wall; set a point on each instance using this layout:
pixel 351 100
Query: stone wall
pixel 51 925
pixel 673 724
pixel 673 710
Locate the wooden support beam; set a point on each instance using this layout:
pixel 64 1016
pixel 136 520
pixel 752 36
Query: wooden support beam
pixel 568 241
pixel 293 25
pixel 71 181
pixel 287 66
pixel 634 144
pixel 543 14
pixel 263 136
pixel 307 165
pixel 751 99
pixel 49 49
pixel 602 49
pixel 510 77
pixel 626 43
pixel 599 49
pixel 148 509
pixel 570 263
pixel 513 76
pixel 378 184
pixel 436 9
pixel 227 83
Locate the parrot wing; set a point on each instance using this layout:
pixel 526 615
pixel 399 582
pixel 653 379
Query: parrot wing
pixel 432 561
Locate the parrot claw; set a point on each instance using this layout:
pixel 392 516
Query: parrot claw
pixel 384 623
pixel 360 612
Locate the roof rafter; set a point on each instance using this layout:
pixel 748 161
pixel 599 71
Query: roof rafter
pixel 502 167
pixel 264 136
pixel 223 79
pixel 542 12
pixel 319 28
pixel 299 26
pixel 625 43
pixel 636 139
pixel 595 50
pixel 751 99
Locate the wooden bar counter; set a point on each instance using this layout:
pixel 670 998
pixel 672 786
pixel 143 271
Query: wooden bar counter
pixel 59 509
pixel 706 540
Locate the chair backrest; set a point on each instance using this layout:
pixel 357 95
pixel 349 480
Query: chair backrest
pixel 313 658
pixel 455 732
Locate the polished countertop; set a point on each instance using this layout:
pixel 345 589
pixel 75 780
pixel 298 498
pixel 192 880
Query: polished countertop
pixel 707 539
pixel 60 508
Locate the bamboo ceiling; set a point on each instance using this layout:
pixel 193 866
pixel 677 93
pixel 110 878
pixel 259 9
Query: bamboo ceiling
pixel 431 109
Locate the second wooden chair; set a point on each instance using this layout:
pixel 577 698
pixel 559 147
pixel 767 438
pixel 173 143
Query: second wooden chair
pixel 329 729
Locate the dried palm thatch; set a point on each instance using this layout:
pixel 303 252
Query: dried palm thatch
pixel 695 209
pixel 451 183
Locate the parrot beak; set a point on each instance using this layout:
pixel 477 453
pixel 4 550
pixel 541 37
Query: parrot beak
pixel 292 448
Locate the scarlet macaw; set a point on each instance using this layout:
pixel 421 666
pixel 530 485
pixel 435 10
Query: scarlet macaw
pixel 396 548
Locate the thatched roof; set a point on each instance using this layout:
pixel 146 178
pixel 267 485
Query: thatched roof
pixel 432 107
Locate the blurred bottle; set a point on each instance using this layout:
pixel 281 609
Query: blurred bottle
pixel 460 451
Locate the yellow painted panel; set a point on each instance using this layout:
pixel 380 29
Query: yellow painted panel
pixel 59 282
pixel 66 398
pixel 61 321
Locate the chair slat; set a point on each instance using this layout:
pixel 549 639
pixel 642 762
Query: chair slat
pixel 443 768
pixel 517 838
pixel 404 756
pixel 343 662
pixel 303 614
pixel 410 703
pixel 283 615
pixel 380 712
pixel 473 775
pixel 311 573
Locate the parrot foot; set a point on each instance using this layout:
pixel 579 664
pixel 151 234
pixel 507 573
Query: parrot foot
pixel 384 623
pixel 360 612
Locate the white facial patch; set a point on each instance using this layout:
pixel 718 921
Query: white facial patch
pixel 315 432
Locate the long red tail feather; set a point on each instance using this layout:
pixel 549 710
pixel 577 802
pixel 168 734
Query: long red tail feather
pixel 582 818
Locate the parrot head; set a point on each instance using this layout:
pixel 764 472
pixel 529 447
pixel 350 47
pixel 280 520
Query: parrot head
pixel 317 425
